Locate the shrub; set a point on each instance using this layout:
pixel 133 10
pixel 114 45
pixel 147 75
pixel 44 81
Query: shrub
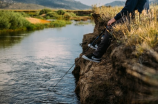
pixel 72 14
pixel 12 20
pixel 44 11
pixel 31 27
pixel 67 16
pixel 24 14
pixel 61 12
pixel 59 17
pixel 47 17
pixel 53 15
pixel 4 23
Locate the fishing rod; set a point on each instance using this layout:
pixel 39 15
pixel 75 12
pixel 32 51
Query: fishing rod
pixel 80 57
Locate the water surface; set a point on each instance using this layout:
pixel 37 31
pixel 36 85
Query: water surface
pixel 31 63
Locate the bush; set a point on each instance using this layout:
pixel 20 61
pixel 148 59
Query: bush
pixel 47 17
pixel 31 27
pixel 72 14
pixel 24 14
pixel 67 16
pixel 4 23
pixel 53 15
pixel 59 17
pixel 12 20
pixel 45 11
pixel 61 12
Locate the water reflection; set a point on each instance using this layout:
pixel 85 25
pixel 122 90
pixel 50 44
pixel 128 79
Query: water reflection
pixel 31 64
pixel 9 39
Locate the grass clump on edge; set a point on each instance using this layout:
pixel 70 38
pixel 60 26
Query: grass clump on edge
pixel 59 23
pixel 56 23
pixel 141 33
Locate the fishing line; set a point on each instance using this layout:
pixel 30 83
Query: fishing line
pixel 79 58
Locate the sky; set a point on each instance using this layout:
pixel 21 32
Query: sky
pixel 99 2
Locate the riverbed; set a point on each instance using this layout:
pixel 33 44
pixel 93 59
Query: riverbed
pixel 31 63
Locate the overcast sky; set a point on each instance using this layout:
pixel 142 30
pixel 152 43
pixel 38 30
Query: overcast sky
pixel 100 2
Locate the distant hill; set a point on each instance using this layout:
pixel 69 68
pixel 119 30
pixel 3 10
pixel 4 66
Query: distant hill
pixel 116 3
pixel 61 4
pixel 22 6
pixel 154 2
pixel 56 4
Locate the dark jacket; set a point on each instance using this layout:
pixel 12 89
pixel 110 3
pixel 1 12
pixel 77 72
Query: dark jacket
pixel 131 6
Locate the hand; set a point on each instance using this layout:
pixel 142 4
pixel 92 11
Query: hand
pixel 111 21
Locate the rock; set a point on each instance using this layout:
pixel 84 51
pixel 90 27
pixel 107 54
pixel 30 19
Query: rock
pixel 119 78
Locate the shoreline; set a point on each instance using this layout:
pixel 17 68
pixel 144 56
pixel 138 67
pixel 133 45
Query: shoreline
pixel 37 24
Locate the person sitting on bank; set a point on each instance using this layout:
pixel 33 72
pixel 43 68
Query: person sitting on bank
pixel 130 7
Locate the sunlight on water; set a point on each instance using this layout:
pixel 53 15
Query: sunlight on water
pixel 32 63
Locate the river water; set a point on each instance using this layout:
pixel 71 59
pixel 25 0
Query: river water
pixel 31 63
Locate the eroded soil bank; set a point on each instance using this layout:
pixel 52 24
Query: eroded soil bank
pixel 120 78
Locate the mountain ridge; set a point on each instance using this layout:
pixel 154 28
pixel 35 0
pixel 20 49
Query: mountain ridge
pixel 63 4
pixel 56 4
pixel 116 3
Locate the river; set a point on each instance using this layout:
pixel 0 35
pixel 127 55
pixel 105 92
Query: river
pixel 31 63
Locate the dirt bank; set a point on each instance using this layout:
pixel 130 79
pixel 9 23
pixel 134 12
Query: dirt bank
pixel 35 20
pixel 120 78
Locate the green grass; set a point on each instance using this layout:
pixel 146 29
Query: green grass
pixel 12 20
pixel 15 21
pixel 57 23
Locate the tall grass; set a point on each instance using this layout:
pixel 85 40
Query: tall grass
pixel 106 13
pixel 141 32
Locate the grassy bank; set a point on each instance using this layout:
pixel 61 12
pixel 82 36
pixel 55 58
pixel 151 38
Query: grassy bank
pixel 14 21
pixel 11 21
pixel 141 32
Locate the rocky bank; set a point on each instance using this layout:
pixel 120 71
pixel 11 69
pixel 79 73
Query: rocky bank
pixel 120 78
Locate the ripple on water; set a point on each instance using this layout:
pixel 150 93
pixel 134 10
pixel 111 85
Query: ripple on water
pixel 33 82
pixel 30 66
